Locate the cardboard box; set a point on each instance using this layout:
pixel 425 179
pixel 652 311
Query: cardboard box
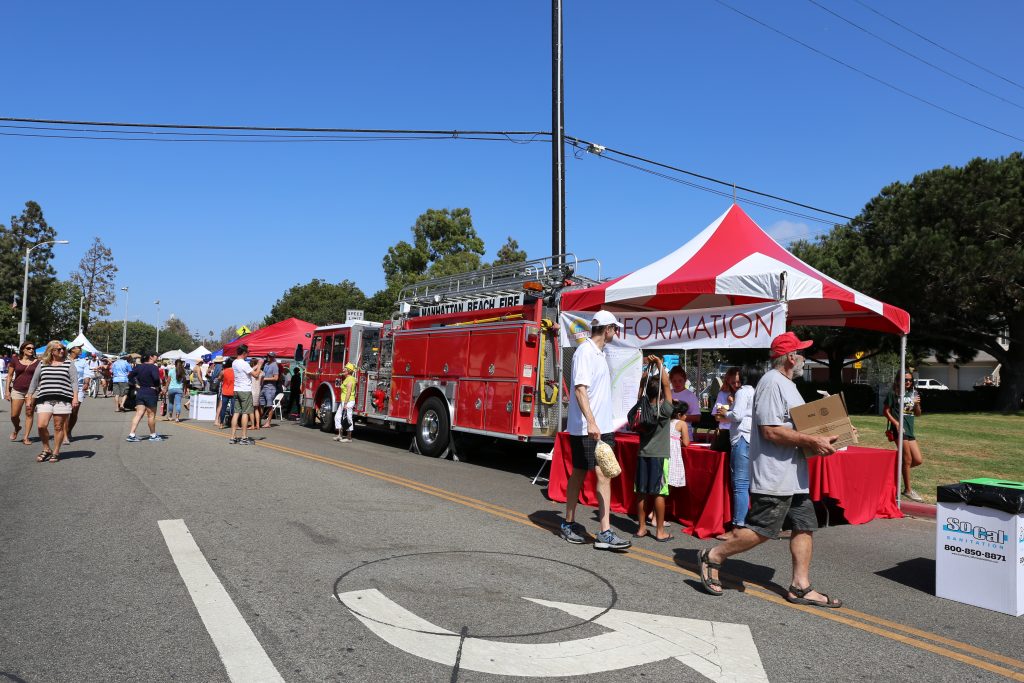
pixel 825 417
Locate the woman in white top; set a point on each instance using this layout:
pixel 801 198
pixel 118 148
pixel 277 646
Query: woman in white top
pixel 730 383
pixel 738 412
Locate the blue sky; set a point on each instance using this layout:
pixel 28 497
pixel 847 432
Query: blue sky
pixel 217 231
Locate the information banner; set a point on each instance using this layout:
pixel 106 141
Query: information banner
pixel 751 326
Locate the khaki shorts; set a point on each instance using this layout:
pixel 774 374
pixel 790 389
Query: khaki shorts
pixel 55 407
pixel 17 395
pixel 120 388
pixel 243 402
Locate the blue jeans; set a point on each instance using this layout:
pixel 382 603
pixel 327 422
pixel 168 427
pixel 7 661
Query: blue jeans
pixel 173 402
pixel 740 465
pixel 226 408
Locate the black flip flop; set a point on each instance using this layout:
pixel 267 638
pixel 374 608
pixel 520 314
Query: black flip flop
pixel 703 564
pixel 829 603
pixel 664 540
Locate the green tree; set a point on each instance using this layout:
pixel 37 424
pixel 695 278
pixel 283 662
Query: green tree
pixel 95 277
pixel 59 319
pixel 949 248
pixel 26 230
pixel 444 242
pixel 318 302
pixel 510 253
pixel 227 334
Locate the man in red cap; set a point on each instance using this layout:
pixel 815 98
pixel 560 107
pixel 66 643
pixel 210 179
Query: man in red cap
pixel 778 478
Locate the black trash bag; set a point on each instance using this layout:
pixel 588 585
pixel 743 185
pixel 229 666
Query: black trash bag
pixel 983 496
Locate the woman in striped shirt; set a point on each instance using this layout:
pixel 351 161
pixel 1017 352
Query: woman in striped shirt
pixel 53 393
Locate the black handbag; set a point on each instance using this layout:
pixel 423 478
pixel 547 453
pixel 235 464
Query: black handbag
pixel 643 417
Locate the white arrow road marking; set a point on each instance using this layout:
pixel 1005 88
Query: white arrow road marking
pixel 722 652
pixel 243 656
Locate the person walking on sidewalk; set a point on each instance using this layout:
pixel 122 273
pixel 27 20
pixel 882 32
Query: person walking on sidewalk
pixel 243 373
pixel 54 392
pixel 590 421
pixel 146 377
pixel 779 483
pixel 174 387
pixel 19 379
pixel 119 374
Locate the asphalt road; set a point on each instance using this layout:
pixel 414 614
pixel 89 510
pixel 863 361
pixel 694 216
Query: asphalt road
pixel 300 531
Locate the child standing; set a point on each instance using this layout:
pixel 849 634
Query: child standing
pixel 652 467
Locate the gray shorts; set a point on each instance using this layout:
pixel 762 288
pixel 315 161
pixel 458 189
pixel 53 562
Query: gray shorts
pixel 267 395
pixel 120 388
pixel 768 514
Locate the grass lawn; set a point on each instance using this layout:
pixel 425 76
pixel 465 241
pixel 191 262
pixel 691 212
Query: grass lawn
pixel 957 446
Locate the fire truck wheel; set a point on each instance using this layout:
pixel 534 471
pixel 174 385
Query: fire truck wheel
pixel 326 416
pixel 432 429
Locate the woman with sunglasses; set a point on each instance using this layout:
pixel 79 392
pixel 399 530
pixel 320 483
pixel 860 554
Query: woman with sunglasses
pixel 911 450
pixel 19 378
pixel 54 392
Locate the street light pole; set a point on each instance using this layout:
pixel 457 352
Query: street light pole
pixel 157 302
pixel 124 329
pixel 23 332
pixel 80 304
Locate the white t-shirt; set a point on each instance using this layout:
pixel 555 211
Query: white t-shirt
pixel 741 413
pixel 775 470
pixel 722 400
pixel 692 405
pixel 590 369
pixel 243 375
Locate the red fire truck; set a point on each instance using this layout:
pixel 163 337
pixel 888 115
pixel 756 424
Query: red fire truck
pixel 475 353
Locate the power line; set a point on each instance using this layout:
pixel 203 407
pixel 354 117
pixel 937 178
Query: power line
pixel 705 188
pixel 725 183
pixel 167 132
pixel 941 47
pixel 868 75
pixel 279 129
pixel 912 55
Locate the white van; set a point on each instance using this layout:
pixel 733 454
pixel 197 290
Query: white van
pixel 930 384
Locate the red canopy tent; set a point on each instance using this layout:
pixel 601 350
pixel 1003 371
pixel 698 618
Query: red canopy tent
pixel 281 338
pixel 733 261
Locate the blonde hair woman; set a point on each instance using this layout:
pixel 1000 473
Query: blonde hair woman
pixel 19 378
pixel 54 392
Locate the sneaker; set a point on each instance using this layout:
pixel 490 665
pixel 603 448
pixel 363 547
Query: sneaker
pixel 337 438
pixel 913 495
pixel 247 441
pixel 573 532
pixel 607 540
pixel 232 442
pixel 133 439
pixel 156 437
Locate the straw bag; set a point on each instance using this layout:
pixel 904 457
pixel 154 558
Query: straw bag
pixel 604 456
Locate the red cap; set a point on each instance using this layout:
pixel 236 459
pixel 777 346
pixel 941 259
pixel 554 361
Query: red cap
pixel 787 342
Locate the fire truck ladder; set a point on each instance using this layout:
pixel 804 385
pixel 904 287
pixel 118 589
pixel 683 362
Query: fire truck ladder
pixel 551 272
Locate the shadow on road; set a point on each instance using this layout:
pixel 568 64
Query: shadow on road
pixel 917 573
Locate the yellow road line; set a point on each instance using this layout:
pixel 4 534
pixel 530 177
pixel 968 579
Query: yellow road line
pixel 876 625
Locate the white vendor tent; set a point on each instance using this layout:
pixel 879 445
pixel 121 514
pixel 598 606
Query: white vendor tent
pixel 86 345
pixel 173 355
pixel 197 353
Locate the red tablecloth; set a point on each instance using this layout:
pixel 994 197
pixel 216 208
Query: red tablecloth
pixel 858 483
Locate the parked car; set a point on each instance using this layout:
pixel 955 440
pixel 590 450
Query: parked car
pixel 930 384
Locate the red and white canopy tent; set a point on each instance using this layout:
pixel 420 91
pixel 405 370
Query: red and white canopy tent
pixel 733 261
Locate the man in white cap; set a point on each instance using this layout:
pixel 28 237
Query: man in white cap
pixel 590 421
pixel 779 492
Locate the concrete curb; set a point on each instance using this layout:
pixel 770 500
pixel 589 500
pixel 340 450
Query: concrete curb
pixel 917 509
